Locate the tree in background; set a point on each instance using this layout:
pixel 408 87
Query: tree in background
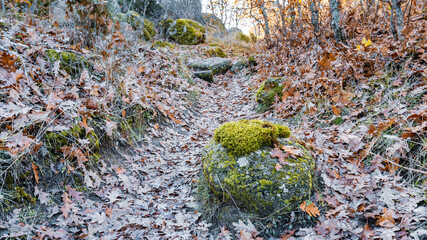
pixel 335 20
pixel 314 9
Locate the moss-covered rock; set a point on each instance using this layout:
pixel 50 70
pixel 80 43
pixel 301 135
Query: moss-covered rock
pixel 186 31
pixel 235 169
pixel 239 65
pixel 265 96
pixel 218 65
pixel 242 37
pixel 213 23
pixel 72 63
pixel 138 22
pixel 244 136
pixel 216 52
pixel 206 75
pixel 162 44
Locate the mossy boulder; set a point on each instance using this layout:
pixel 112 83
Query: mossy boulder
pixel 216 52
pixel 239 65
pixel 265 96
pixel 71 62
pixel 213 23
pixel 218 65
pixel 138 22
pixel 163 44
pixel 237 164
pixel 186 31
pixel 242 37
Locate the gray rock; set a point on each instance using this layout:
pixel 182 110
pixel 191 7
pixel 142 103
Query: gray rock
pixel 205 75
pixel 253 181
pixel 216 64
pixel 266 94
pixel 234 30
pixel 239 65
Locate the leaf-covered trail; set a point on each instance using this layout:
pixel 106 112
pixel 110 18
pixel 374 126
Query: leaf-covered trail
pixel 154 198
pixel 149 194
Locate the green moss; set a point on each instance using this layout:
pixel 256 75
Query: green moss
pixel 246 136
pixel 254 183
pixel 133 19
pixel 338 121
pixel 242 37
pixel 55 140
pixel 163 44
pixel 136 22
pixel 70 62
pixel 187 32
pixel 23 197
pixel 216 52
pixel 149 30
pixel 252 60
pixel 254 39
pixel 265 96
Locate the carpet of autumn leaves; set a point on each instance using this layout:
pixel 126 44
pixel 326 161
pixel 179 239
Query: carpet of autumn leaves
pixel 141 123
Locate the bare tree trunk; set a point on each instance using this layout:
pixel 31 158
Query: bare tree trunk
pixel 292 18
pixel 314 15
pixel 283 18
pixel 267 27
pixel 335 22
pixel 3 7
pixel 399 17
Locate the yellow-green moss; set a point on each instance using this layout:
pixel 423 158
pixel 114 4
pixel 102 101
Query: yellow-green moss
pixel 265 96
pixel 186 31
pixel 70 62
pixel 136 21
pixel 55 140
pixel 257 185
pixel 149 30
pixel 162 44
pixel 252 60
pixel 242 37
pixel 22 197
pixel 246 136
pixel 254 39
pixel 216 52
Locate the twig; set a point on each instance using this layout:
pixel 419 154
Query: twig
pixel 223 189
pixel 396 164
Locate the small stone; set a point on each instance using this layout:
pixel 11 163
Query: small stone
pixel 205 75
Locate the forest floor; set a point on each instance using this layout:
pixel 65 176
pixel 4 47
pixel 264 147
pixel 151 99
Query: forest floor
pixel 148 189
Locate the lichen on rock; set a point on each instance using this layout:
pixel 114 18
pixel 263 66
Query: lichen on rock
pixel 265 96
pixel 186 31
pixel 237 164
pixel 71 62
